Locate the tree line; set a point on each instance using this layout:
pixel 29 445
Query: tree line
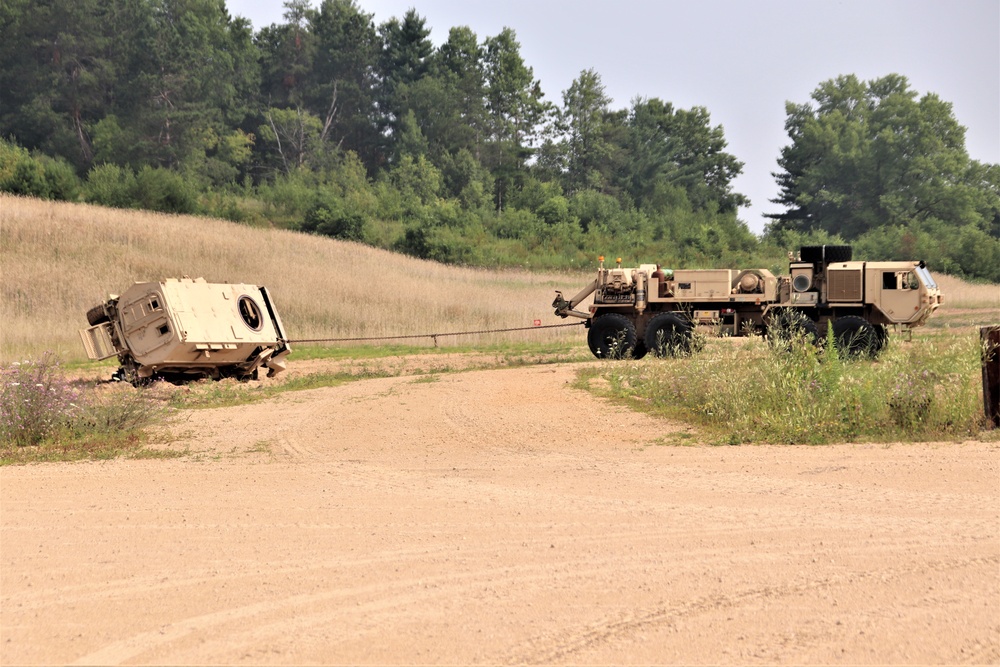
pixel 334 124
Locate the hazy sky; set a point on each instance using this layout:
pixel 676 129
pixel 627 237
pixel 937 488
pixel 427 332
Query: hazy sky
pixel 740 59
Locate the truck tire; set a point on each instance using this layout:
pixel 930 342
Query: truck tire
pixel 881 338
pixel 668 335
pixel 817 254
pixel 612 336
pixel 96 315
pixel 787 324
pixel 855 337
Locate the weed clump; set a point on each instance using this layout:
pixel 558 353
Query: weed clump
pixel 35 401
pixel 43 416
pixel 797 392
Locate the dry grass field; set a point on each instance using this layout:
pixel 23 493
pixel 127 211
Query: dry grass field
pixel 58 260
pixel 966 304
pixel 967 295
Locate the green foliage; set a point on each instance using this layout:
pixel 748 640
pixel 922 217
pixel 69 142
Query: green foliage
pixel 36 175
pixel 329 123
pixel 417 180
pixel 968 251
pixel 869 161
pixel 595 210
pixel 676 158
pixel 554 210
pixel 164 190
pixel 41 409
pixel 332 216
pixel 111 185
pixel 583 120
pixel 798 393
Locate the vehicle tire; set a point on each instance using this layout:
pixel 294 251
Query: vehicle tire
pixel 855 337
pixel 612 336
pixel 788 324
pixel 816 254
pixel 96 315
pixel 129 372
pixel 668 335
pixel 881 338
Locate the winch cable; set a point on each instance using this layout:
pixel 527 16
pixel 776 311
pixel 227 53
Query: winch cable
pixel 433 336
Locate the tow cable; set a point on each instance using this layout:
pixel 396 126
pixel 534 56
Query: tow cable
pixel 433 336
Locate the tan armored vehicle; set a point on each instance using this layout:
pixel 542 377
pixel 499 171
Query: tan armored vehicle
pixel 188 329
pixel 651 309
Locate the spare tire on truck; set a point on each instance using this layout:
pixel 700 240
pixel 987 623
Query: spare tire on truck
pixel 97 315
pixel 829 254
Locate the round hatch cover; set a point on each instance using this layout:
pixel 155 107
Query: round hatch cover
pixel 250 313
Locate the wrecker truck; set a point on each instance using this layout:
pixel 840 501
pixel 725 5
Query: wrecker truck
pixel 656 310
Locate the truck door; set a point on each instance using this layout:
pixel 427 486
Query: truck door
pixel 899 294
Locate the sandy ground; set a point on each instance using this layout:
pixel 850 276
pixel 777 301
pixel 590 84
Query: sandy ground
pixel 497 517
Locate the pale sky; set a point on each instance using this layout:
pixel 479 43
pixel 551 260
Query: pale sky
pixel 740 59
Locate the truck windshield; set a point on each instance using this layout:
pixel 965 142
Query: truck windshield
pixel 925 276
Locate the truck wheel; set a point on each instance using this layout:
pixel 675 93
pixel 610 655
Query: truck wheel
pixel 668 335
pixel 787 325
pixel 881 338
pixel 612 336
pixel 96 315
pixel 855 337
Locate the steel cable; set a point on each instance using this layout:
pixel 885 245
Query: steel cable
pixel 433 336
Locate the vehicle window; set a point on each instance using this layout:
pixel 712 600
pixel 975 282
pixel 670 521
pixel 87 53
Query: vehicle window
pixel 925 276
pixel 250 312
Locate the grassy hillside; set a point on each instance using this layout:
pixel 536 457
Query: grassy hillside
pixel 58 259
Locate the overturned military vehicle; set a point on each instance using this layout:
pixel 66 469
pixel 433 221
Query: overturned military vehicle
pixel 188 329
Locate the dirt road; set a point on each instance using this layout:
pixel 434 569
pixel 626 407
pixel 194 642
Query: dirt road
pixel 497 517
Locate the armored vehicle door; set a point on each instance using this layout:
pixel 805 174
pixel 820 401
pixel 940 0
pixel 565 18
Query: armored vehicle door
pixel 898 292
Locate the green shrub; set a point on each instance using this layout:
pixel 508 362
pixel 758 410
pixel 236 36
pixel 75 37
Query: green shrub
pixel 111 185
pixel 289 196
pixel 554 211
pixel 593 208
pixel 331 216
pixel 36 176
pixel 60 178
pixel 158 189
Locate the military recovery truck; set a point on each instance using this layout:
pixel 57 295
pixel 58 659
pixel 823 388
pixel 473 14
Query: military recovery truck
pixel 184 329
pixel 649 309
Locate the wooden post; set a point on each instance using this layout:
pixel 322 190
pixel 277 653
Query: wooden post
pixel 990 339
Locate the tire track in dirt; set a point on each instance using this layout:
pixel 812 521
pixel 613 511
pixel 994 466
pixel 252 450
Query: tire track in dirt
pixel 545 649
pixel 495 517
